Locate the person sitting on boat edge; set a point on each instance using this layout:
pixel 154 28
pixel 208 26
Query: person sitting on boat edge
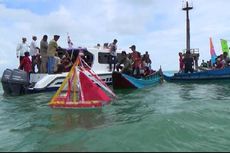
pixel 204 64
pixel 188 62
pixel 219 63
pixel 126 62
pixel 226 59
pixel 65 65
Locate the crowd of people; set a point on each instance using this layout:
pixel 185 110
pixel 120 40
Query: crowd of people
pixel 132 64
pixel 221 62
pixel 44 57
pixel 186 63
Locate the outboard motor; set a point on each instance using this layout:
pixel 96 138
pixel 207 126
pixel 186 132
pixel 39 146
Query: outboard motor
pixel 5 81
pixel 19 82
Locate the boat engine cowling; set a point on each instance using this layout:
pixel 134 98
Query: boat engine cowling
pixel 5 81
pixel 19 82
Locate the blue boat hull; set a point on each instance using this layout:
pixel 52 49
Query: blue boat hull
pixel 218 74
pixel 123 81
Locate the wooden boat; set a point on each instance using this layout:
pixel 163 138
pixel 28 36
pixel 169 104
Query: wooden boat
pixel 124 81
pixel 216 74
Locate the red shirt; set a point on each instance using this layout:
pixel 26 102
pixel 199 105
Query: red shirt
pixel 181 62
pixel 26 64
pixel 136 59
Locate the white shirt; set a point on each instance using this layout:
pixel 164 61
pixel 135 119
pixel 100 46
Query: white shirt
pixel 33 48
pixel 113 48
pixel 21 49
pixel 56 63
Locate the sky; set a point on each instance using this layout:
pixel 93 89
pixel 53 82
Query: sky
pixel 156 26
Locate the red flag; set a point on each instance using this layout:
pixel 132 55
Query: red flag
pixel 91 91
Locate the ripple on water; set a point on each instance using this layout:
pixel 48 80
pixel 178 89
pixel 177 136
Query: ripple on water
pixel 167 117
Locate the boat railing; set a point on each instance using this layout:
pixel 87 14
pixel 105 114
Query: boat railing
pixel 194 51
pixel 196 54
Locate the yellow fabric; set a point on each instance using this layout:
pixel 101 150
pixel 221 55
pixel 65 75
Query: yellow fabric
pixel 64 82
pixel 52 48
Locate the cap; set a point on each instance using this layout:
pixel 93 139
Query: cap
pixel 133 46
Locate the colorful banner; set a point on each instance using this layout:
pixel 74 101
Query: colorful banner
pixel 212 52
pixel 224 44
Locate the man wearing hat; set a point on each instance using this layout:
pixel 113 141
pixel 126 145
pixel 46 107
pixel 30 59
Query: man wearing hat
pixel 34 51
pixel 21 49
pixel 51 52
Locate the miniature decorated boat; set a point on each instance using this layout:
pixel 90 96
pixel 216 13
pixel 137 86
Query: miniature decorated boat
pixel 82 88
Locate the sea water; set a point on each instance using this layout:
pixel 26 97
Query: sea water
pixel 166 117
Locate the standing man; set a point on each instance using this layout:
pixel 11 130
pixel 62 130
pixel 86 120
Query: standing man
pixel 136 58
pixel 21 49
pixel 51 52
pixel 43 52
pixel 113 55
pixel 34 50
pixel 188 63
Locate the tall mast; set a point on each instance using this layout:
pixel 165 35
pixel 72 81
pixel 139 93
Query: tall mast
pixel 187 7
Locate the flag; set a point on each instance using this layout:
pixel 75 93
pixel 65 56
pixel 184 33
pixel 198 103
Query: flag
pixel 212 52
pixel 70 44
pixel 224 45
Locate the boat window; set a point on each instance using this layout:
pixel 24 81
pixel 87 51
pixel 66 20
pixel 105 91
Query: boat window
pixel 103 58
pixel 73 54
pixel 88 57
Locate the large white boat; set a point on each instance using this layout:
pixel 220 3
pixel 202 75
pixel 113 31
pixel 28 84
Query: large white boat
pixel 16 82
